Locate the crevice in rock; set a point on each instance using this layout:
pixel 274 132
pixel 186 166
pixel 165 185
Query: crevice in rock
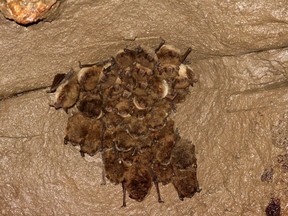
pixel 20 93
pixel 20 137
pixel 211 56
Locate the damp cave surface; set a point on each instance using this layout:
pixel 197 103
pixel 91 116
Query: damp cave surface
pixel 236 115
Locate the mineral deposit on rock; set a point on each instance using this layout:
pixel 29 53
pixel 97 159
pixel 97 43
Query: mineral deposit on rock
pixel 26 11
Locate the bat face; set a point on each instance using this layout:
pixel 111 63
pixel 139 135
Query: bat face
pixel 67 93
pixel 123 111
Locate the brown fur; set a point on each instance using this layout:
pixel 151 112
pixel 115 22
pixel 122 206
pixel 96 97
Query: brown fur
pixel 124 109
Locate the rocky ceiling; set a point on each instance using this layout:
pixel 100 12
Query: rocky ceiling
pixel 236 115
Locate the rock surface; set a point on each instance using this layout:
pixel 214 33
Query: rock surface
pixel 240 53
pixel 27 12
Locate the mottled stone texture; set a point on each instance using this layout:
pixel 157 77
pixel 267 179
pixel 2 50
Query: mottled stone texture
pixel 241 57
pixel 27 12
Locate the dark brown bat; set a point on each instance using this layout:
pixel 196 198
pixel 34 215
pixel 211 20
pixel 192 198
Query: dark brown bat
pixel 112 120
pixel 124 141
pixel 139 177
pixel 146 57
pixel 157 117
pixel 85 132
pixel 183 155
pixel 158 88
pixel 164 141
pixel 113 165
pixel 77 129
pixel 135 127
pixel 184 165
pixel 168 54
pixel 125 58
pixel 141 74
pixel 90 105
pixel 123 107
pixel 110 75
pixel 93 140
pixel 138 182
pixel 185 182
pixel 163 172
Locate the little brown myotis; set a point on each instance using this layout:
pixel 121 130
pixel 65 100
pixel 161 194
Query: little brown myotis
pixel 183 155
pixel 125 58
pixel 110 75
pixel 135 127
pixel 90 105
pixel 67 93
pixel 137 182
pixel 165 140
pixel 141 175
pixel 140 73
pixel 146 57
pixel 124 105
pixel 164 172
pixel 113 165
pixel 181 81
pixel 158 89
pixel 170 55
pixel 88 77
pixel 124 142
pixel 93 140
pixel 156 119
pixel 111 120
pixel 184 164
pixel 85 132
pixel 76 129
pixel 185 182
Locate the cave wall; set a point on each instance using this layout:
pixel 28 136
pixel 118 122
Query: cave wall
pixel 234 115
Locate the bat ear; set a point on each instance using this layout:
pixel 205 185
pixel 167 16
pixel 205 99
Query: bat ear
pixel 58 78
pixel 160 45
pixel 185 55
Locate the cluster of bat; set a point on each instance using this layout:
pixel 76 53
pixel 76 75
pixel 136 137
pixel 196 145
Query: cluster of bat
pixel 123 111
